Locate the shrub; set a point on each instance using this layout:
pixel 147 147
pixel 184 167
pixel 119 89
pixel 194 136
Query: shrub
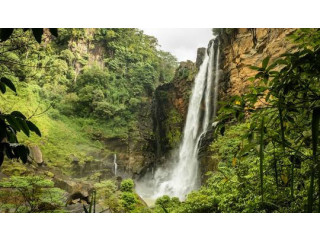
pixel 30 194
pixel 128 201
pixel 127 185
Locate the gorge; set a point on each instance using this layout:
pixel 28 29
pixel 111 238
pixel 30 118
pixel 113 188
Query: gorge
pixel 124 122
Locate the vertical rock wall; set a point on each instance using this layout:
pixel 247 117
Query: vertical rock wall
pixel 170 106
pixel 250 47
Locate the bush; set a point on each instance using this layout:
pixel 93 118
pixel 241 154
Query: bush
pixel 30 194
pixel 128 201
pixel 107 192
pixel 127 185
pixel 165 204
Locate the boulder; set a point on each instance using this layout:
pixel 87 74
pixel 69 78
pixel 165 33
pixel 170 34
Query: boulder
pixel 75 208
pixel 36 154
pixel 78 197
pixel 65 184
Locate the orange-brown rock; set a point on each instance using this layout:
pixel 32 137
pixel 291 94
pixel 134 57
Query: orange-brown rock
pixel 244 52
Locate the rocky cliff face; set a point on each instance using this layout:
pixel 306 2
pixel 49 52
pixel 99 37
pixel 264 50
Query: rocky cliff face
pixel 250 47
pixel 244 48
pixel 170 106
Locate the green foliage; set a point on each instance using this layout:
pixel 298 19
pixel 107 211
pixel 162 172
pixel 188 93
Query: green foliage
pixel 285 93
pixel 14 122
pixel 30 194
pixel 110 197
pixel 234 186
pixel 172 127
pixel 56 129
pixel 127 185
pixel 306 37
pixel 6 82
pixel 200 201
pixel 70 94
pixel 128 198
pixel 82 86
pixel 315 137
pixel 125 200
pixel 165 204
pixel 133 67
pixel 92 205
pixel 261 156
pixel 128 201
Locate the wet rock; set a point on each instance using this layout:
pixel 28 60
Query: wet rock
pixel 75 208
pixel 205 162
pixel 78 197
pixel 200 56
pixel 78 191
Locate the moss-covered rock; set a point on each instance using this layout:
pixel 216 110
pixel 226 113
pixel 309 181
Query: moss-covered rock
pixel 170 106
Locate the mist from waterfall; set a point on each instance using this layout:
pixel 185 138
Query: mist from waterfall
pixel 182 176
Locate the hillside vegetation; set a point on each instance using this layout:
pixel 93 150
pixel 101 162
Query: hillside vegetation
pixel 82 93
pixel 79 87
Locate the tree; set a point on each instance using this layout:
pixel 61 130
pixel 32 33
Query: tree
pixel 14 122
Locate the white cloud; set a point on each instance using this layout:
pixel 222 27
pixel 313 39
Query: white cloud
pixel 181 42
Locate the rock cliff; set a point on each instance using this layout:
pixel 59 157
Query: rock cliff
pixel 170 106
pixel 250 47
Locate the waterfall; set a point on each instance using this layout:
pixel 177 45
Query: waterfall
pixel 183 175
pixel 216 87
pixel 115 164
pixel 208 89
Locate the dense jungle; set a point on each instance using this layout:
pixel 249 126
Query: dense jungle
pixel 103 121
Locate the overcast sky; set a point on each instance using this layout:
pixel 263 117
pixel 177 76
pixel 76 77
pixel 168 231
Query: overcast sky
pixel 181 42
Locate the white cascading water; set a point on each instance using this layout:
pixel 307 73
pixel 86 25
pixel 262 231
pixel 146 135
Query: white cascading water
pixel 207 112
pixel 115 165
pixel 183 176
pixel 216 87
